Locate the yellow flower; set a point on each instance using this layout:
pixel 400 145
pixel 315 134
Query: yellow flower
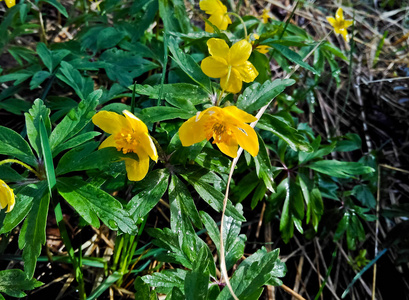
pixel 265 16
pixel 6 196
pixel 340 24
pixel 128 134
pixel 227 126
pixel 262 48
pixel 218 14
pixel 10 3
pixel 230 65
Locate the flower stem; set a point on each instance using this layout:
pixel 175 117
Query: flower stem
pixel 22 164
pixel 242 22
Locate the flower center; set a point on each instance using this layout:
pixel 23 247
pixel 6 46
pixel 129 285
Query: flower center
pixel 218 131
pixel 126 141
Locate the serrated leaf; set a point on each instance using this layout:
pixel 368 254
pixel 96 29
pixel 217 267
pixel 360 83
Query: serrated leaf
pixel 83 86
pixel 75 141
pixel 109 37
pixel 48 158
pixel 340 169
pixel 234 242
pixel 257 270
pixel 75 120
pixel 24 203
pixel 38 78
pixel 13 282
pixel 197 280
pixel 32 234
pixel 364 195
pixel 256 95
pixel 181 201
pixel 166 280
pixel 90 202
pixel 35 114
pixel 152 187
pixel 12 144
pixel 214 197
pixel 290 135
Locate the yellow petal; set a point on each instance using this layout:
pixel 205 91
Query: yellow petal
pixel 218 47
pixel 214 66
pixel 109 142
pixel 10 3
pixel 212 7
pixel 247 138
pixel 240 53
pixel 348 23
pixel 239 114
pixel 263 49
pixel 339 15
pixel 247 71
pixel 232 84
pixel 6 196
pixel 110 122
pixel 331 20
pixel 136 124
pixel 344 34
pixel 221 21
pixel 148 146
pixel 192 131
pixel 230 150
pixel 208 28
pixel 137 170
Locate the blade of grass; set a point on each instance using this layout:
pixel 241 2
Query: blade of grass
pixel 357 276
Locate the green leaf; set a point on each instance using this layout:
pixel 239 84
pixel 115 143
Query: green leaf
pixel 352 142
pixel 45 56
pixel 72 77
pixel 256 95
pixel 189 66
pixel 21 75
pixel 38 78
pixel 176 91
pixel 181 201
pixel 284 131
pixel 48 158
pixel 340 169
pixel 253 273
pixel 32 234
pixel 24 202
pixel 90 202
pixel 364 195
pixel 12 144
pixel 293 210
pixel 315 208
pixel 166 280
pixel 142 290
pixel 293 57
pixel 75 120
pixel 8 174
pixel 110 280
pixel 160 113
pixel 264 169
pixel 58 6
pixel 152 187
pixel 75 141
pixel 318 152
pixel 35 114
pixel 334 50
pixel 234 242
pixel 214 197
pixel 213 160
pixel 13 282
pixel 109 37
pixel 197 280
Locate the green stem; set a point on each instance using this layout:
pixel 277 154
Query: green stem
pixel 6 161
pixel 242 22
pixel 67 242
